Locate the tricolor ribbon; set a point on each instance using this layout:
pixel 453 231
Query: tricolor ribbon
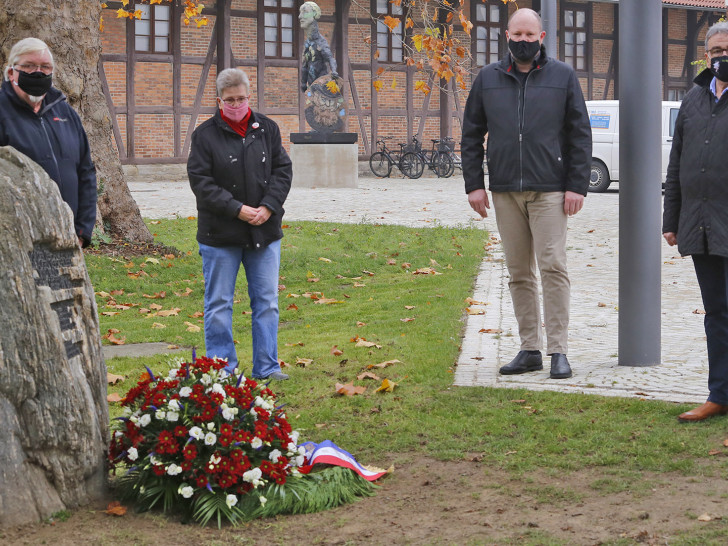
pixel 327 452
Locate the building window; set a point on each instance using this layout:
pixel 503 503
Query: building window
pixel 151 32
pixel 278 17
pixel 574 29
pixel 389 44
pixel 675 94
pixel 487 21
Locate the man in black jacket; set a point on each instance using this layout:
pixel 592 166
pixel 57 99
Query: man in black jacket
pixel 539 157
pixel 696 207
pixel 36 120
pixel 240 174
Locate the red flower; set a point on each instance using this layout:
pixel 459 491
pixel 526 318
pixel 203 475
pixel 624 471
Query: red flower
pixel 189 452
pixel 201 481
pixel 158 469
pixel 181 431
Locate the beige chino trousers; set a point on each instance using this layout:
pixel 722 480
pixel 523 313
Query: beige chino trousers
pixel 532 228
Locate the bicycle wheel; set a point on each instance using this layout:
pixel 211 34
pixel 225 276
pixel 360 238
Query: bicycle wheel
pixel 380 165
pixel 443 165
pixel 411 165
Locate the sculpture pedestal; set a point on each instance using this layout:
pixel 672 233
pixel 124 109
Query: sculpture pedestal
pixel 325 160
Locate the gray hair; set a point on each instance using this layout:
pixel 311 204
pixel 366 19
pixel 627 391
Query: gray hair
pixel 718 28
pixel 23 47
pixel 232 77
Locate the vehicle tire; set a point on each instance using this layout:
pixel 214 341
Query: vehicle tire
pixel 380 165
pixel 599 179
pixel 411 165
pixel 443 165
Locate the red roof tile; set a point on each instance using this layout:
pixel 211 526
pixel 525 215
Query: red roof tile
pixel 708 4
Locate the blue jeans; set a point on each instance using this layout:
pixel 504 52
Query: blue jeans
pixel 712 272
pixel 220 266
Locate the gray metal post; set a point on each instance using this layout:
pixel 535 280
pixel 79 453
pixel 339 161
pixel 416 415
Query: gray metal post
pixel 640 199
pixel 548 18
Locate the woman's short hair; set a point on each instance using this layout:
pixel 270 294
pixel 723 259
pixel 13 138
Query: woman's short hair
pixel 23 47
pixel 232 77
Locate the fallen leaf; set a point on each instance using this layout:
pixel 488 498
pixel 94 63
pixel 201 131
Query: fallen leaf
pixel 368 273
pixel 386 386
pixel 313 279
pixel 359 324
pixel 384 364
pixel 409 307
pixel 192 327
pixel 600 304
pixel 114 340
pixel 103 294
pixel 283 364
pixel 304 362
pixel 704 517
pixel 471 311
pixel 368 375
pixel 313 295
pixel 391 262
pixel 426 271
pixel 158 325
pixel 155 296
pixel 292 307
pixel 172 347
pixel 406 265
pixel 169 313
pixel 725 442
pixel 320 425
pixel 198 314
pixel 110 313
pixel 699 312
pixel 363 343
pixel 113 398
pixel 325 260
pixel 407 319
pixel 300 343
pixel 714 452
pixel 152 261
pixel 244 312
pixel 336 351
pixel 155 306
pixel 359 285
pixel 184 294
pixel 113 379
pixel 471 301
pixel 349 389
pixel 519 401
pixel 328 301
pixel 116 509
pixel 117 292
pixel 490 331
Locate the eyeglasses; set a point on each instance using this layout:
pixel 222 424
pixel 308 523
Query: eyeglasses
pixel 32 67
pixel 718 51
pixel 235 101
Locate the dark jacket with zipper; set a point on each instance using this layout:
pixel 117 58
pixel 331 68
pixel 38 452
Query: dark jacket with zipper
pixel 55 139
pixel 539 136
pixel 227 171
pixel 696 187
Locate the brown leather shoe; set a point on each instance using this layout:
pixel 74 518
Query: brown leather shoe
pixel 709 409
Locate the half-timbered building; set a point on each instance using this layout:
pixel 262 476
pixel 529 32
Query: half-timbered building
pixel 159 75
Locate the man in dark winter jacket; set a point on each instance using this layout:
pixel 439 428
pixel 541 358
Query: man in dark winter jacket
pixel 36 120
pixel 539 157
pixel 696 207
pixel 240 174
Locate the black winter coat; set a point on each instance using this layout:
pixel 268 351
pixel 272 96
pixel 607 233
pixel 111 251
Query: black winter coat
pixel 55 139
pixel 696 187
pixel 227 171
pixel 539 136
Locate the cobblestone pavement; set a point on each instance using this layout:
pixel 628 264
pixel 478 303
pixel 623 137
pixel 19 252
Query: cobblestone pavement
pixel 491 339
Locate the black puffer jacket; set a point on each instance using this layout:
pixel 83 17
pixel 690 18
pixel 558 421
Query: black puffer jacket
pixel 55 139
pixel 227 171
pixel 696 187
pixel 539 137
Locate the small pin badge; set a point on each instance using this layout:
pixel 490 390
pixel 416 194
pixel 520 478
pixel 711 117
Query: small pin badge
pixel 256 125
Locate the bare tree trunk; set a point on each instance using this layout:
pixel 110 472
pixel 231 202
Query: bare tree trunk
pixel 71 30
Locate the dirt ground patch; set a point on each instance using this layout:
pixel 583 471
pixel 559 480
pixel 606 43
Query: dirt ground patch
pixel 431 502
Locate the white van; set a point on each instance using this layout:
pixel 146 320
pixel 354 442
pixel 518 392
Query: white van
pixel 604 119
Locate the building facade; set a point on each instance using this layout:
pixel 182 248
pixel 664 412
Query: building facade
pixel 159 75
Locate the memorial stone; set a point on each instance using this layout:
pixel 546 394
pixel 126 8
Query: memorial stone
pixel 52 373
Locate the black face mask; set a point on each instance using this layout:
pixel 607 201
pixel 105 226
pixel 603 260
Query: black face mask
pixel 523 51
pixel 719 67
pixel 35 84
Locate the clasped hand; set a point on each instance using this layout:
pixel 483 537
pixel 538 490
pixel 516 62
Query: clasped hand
pixel 255 216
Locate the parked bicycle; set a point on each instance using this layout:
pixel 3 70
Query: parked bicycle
pixel 381 161
pixel 413 161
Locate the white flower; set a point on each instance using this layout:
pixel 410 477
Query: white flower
pixel 231 500
pixel 196 433
pixel 254 414
pixel 252 475
pixel 291 447
pixel 263 500
pixel 186 491
pixel 174 469
pixel 259 401
pixel 205 379
pixel 174 405
pixel 294 437
pixel 300 459
pixel 215 460
pixel 210 439
pixel 184 392
pixel 228 413
pixel 210 426
pixel 218 389
pixel 134 419
pixel 118 434
pixel 126 412
pixel 274 455
pixel 132 454
pixel 145 419
pixel 155 461
pixel 172 416
pixel 160 414
pixel 256 443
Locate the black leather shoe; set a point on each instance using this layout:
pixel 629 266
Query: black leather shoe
pixel 523 363
pixel 560 368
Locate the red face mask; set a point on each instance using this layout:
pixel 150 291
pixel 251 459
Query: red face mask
pixel 235 113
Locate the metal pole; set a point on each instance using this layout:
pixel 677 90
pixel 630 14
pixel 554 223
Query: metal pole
pixel 548 18
pixel 640 199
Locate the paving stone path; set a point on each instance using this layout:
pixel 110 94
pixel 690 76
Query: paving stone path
pixel 491 339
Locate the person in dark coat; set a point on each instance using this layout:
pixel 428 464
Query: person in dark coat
pixel 36 120
pixel 695 214
pixel 539 161
pixel 241 175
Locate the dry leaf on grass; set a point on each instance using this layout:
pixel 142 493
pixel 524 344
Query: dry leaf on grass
pixel 116 509
pixel 364 343
pixel 300 343
pixel 155 296
pixel 304 362
pixel 158 325
pixel 328 301
pixel 113 339
pixel 705 517
pixel 155 307
pixel 184 294
pixel 324 260
pixel 113 379
pixel 349 389
pixel 113 398
pixel 384 364
pixel 110 313
pixel 192 327
pixel 198 314
pixel 386 386
pixel 292 307
pixel 169 312
pixel 368 375
pixel 409 307
pixel 336 351
pixel 426 271
pixel 407 319
pixel 359 324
